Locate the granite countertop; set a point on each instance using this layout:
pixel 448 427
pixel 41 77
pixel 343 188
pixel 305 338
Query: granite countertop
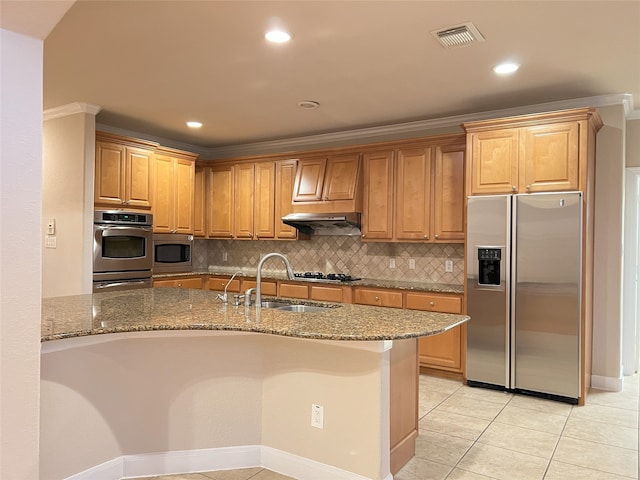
pixel 189 309
pixel 364 282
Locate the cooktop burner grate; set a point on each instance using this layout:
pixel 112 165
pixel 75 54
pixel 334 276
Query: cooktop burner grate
pixel 322 277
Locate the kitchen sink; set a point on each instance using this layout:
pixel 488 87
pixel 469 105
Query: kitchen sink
pixel 273 304
pixel 303 308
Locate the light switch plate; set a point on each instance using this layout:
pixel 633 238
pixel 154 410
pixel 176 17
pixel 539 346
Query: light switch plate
pixel 50 241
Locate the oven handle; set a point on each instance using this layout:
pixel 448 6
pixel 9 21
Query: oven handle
pixel 107 231
pixel 119 284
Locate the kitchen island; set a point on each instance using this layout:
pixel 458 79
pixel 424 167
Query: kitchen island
pixel 158 381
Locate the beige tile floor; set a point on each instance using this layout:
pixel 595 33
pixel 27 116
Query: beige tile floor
pixel 475 434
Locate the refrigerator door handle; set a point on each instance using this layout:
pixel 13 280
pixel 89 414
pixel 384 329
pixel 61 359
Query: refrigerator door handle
pixel 511 297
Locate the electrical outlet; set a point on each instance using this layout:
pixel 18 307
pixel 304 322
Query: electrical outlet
pixel 225 256
pixel 392 262
pixel 412 264
pixel 448 266
pixel 317 416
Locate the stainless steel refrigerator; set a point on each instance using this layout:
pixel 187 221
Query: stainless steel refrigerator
pixel 524 263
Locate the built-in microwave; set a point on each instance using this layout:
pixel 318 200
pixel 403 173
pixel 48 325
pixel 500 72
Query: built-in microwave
pixel 172 253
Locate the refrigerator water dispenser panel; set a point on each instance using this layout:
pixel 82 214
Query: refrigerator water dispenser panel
pixel 489 266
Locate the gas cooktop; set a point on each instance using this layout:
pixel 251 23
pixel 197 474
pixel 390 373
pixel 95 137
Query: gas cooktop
pixel 322 277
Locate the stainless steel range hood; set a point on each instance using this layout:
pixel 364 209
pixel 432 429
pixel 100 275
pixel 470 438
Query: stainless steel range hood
pixel 325 223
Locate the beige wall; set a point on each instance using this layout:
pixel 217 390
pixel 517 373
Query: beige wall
pixel 609 192
pixel 68 159
pixel 633 143
pixel 20 252
pixel 142 395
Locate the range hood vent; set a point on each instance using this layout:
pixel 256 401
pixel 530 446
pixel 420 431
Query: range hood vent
pixel 458 36
pixel 325 223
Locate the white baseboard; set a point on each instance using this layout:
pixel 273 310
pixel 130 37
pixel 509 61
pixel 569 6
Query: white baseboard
pixel 212 459
pixel 611 384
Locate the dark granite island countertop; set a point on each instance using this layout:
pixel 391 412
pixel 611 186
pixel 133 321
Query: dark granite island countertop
pixel 188 309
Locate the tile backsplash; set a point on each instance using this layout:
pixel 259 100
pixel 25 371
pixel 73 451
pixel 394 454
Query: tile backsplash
pixel 340 254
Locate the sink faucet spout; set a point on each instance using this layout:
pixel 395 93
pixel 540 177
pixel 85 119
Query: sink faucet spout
pixel 259 274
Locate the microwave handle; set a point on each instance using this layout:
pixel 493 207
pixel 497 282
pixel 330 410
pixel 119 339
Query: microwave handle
pixel 119 284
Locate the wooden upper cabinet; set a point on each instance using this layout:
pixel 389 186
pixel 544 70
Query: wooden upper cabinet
pixel 309 180
pixel 264 201
pixel 449 197
pixel 199 205
pixel 532 153
pixel 220 197
pixel 327 178
pixel 549 157
pixel 243 205
pixel 494 161
pixel 123 172
pixel 173 191
pixel 377 212
pixel 285 180
pixel 341 177
pixel 413 194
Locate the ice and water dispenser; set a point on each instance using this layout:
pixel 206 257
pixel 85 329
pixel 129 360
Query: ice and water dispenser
pixel 489 266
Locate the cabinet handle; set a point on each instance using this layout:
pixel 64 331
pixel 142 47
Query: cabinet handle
pixel 514 188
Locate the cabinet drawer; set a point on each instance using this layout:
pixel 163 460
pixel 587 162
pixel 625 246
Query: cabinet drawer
pixel 294 290
pixel 327 294
pixel 217 284
pixel 268 287
pixel 195 282
pixel 378 298
pixel 434 303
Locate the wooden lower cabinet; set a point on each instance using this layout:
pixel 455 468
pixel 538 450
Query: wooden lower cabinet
pixel 269 287
pixel 183 282
pixel 293 290
pixel 218 284
pixel 377 297
pixel 441 354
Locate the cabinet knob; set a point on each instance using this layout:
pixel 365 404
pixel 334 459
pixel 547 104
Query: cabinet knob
pixel 179 284
pixel 363 235
pixel 514 188
pixel 376 298
pixel 432 303
pixel 231 235
pixel 426 237
pixel 436 235
pixel 528 187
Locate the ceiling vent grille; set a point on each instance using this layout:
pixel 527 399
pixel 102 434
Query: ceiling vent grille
pixel 458 36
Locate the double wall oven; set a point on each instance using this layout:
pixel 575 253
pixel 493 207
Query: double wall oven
pixel 122 250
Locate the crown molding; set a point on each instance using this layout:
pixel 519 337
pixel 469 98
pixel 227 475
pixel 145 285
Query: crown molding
pixel 70 109
pixel 364 135
pixel 417 127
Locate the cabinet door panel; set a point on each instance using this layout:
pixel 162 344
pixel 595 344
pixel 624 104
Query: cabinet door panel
pixel 327 294
pixel 268 287
pixel 309 180
pixel 138 186
pixel 377 221
pixel 163 196
pixel 199 205
pixel 379 298
pixel 220 216
pixel 449 220
pixel 184 171
pixel 550 158
pixel 285 179
pixel 434 303
pixel 264 203
pixel 109 174
pixel 243 195
pixel 341 177
pixel 442 349
pixel 294 290
pixel 494 161
pixel 413 194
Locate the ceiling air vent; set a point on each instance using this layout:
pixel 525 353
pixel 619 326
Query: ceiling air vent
pixel 458 36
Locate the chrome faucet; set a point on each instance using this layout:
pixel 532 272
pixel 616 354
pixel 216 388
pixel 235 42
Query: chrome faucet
pixel 259 274
pixel 224 296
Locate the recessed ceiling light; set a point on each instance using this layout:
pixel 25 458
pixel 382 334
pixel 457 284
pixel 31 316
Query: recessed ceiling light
pixel 194 124
pixel 506 68
pixel 308 104
pixel 278 36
